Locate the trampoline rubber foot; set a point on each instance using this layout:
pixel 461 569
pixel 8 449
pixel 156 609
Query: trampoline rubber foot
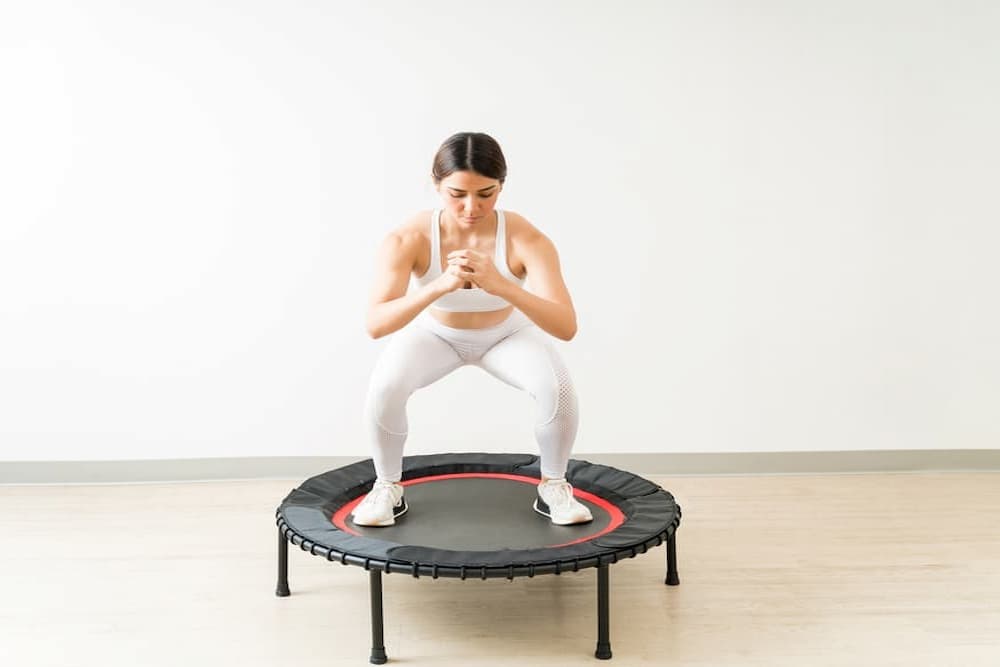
pixel 378 656
pixel 282 591
pixel 673 579
pixel 603 652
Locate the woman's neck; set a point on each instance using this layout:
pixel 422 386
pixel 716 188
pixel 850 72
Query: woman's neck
pixel 471 235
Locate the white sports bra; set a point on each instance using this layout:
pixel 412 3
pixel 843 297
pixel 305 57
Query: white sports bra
pixel 475 300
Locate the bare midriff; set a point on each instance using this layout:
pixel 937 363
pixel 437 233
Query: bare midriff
pixel 470 320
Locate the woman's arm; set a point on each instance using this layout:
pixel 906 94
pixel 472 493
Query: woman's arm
pixel 391 307
pixel 550 307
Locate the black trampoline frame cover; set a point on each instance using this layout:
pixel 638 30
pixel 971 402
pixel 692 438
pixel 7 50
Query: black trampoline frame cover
pixel 305 518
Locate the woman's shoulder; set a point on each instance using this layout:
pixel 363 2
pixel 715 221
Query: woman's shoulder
pixel 519 229
pixel 414 230
pixel 408 243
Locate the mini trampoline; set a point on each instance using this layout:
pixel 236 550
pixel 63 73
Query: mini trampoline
pixel 470 517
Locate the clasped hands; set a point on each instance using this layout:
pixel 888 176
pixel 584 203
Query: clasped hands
pixel 475 267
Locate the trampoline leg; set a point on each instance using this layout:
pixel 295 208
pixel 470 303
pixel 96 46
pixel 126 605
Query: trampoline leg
pixel 603 651
pixel 672 578
pixel 282 590
pixel 378 645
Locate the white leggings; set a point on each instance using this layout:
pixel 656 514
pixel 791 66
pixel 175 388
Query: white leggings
pixel 516 351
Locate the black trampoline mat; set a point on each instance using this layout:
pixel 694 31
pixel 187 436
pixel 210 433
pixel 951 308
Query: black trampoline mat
pixel 480 513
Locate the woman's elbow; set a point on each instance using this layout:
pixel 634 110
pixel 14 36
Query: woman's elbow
pixel 373 329
pixel 569 333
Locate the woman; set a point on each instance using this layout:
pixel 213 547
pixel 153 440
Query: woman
pixel 470 261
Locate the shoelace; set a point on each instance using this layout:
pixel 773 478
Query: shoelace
pixel 562 495
pixel 378 493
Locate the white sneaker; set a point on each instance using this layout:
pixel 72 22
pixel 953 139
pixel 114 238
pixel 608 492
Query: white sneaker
pixel 555 500
pixel 383 504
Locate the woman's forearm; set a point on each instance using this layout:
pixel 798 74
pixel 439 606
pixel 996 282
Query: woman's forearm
pixel 554 318
pixel 385 318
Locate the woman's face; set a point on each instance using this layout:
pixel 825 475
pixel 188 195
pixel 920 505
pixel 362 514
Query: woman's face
pixel 469 197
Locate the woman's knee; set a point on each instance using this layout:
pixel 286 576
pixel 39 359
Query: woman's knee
pixel 556 397
pixel 386 400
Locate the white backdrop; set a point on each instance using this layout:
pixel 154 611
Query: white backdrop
pixel 778 220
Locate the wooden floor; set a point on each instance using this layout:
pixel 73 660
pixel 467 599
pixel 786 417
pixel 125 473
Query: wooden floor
pixel 879 570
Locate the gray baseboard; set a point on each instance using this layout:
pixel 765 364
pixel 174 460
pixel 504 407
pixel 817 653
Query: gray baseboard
pixel 716 463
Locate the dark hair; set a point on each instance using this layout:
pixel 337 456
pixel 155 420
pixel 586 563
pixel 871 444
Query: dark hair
pixel 469 151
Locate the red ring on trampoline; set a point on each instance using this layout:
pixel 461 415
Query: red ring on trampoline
pixel 617 517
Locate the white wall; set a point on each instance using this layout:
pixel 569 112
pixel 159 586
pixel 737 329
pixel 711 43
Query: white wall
pixel 779 222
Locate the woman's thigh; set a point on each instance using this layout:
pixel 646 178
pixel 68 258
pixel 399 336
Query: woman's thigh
pixel 527 360
pixel 414 358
